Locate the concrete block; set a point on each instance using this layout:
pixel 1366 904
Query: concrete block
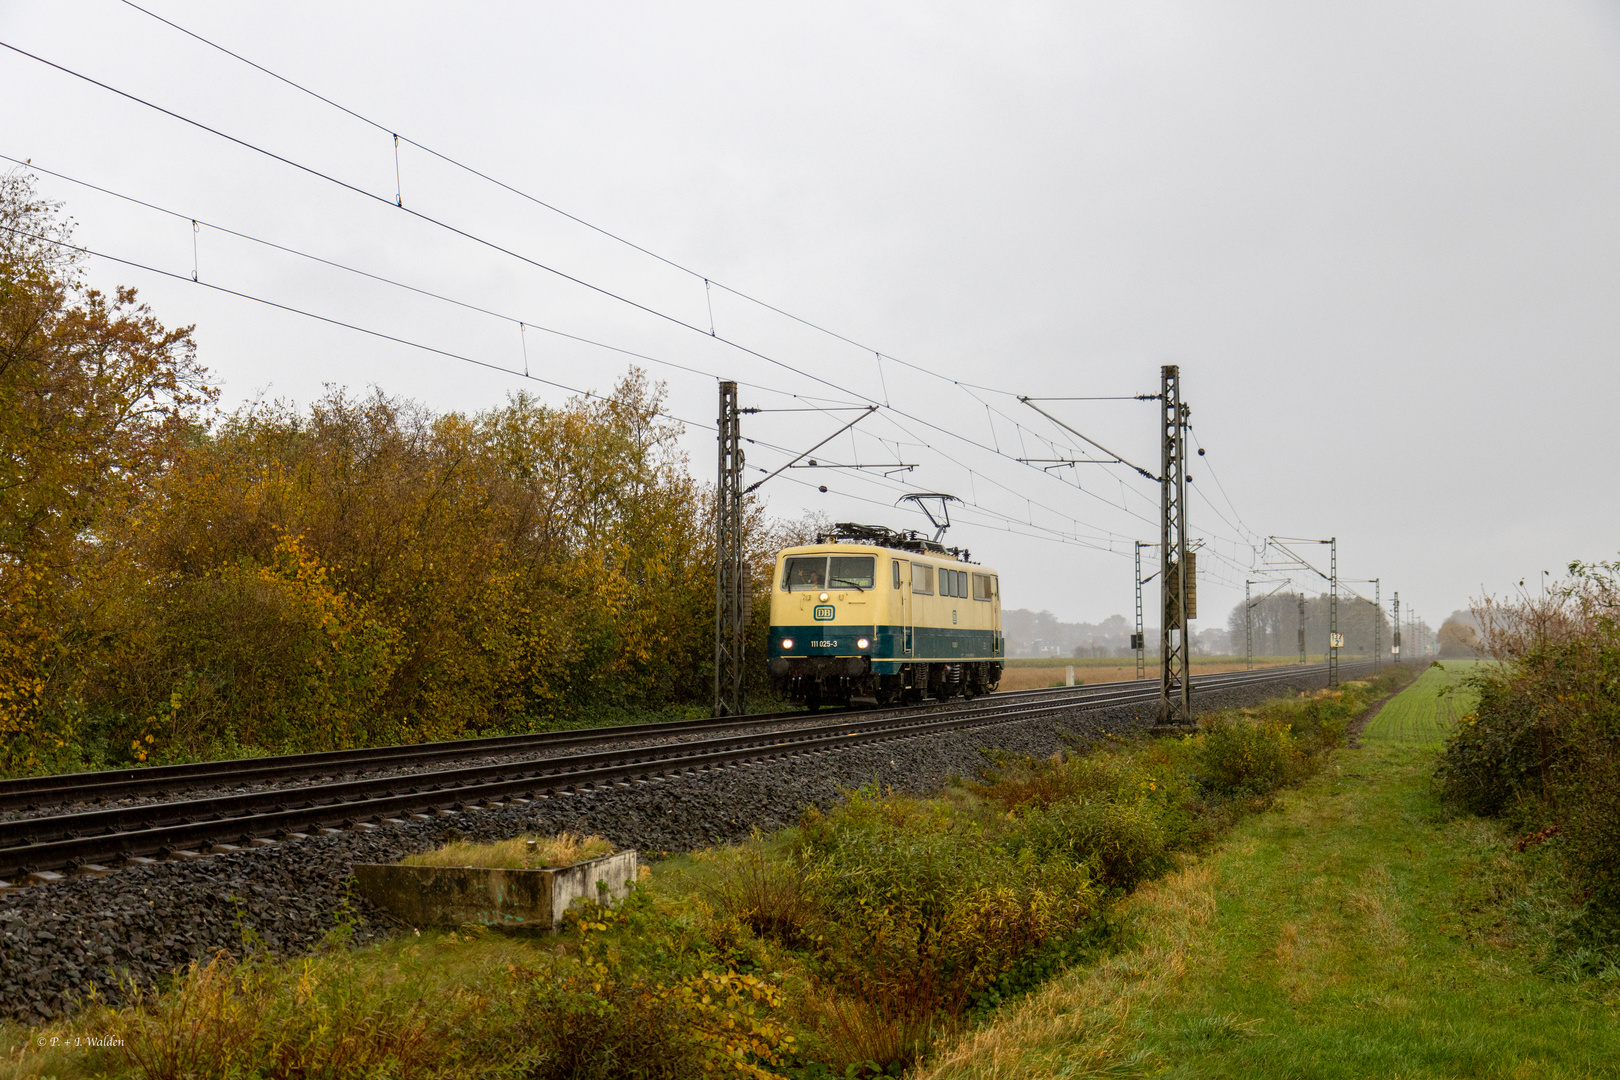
pixel 513 899
pixel 44 877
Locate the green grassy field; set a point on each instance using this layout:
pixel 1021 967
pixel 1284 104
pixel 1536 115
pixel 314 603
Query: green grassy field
pixel 1424 712
pixel 1359 931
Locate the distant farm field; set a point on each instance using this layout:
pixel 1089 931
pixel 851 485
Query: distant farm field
pixel 1425 712
pixel 1034 673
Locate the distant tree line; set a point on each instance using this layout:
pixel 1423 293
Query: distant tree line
pixel 1275 621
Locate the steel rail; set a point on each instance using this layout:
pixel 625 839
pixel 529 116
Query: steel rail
pixel 61 788
pixel 70 839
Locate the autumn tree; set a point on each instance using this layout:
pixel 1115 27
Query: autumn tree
pixel 95 394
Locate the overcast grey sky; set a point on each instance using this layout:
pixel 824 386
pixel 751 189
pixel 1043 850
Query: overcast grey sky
pixel 1381 239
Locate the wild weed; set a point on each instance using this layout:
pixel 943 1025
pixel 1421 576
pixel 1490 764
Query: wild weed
pixel 517 853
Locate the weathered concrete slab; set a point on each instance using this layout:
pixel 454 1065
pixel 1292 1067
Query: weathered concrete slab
pixel 457 895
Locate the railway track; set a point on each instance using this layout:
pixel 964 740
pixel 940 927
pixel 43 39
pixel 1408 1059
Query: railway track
pixel 38 849
pixel 31 793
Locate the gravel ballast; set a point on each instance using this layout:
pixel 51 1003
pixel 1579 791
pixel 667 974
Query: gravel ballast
pixel 142 922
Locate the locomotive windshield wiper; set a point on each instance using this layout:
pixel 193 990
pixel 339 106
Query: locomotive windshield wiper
pixel 858 585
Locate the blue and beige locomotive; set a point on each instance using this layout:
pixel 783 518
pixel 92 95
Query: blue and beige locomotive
pixel 871 613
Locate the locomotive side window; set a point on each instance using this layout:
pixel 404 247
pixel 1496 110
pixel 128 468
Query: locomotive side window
pixel 959 583
pixel 853 572
pixel 803 572
pixel 984 587
pixel 922 578
pixel 897 564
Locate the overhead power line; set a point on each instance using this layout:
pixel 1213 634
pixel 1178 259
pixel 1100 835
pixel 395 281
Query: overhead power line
pixel 527 323
pixel 707 279
pixel 331 321
pixel 745 349
pixel 1050 535
pixel 383 279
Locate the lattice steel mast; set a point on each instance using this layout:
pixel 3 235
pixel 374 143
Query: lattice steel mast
pixel 1378 627
pixel 1395 621
pixel 1175 683
pixel 1248 628
pixel 1139 640
pixel 1333 611
pixel 1302 654
pixel 730 585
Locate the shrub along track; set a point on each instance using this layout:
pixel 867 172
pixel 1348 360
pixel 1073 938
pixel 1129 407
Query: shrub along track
pixel 151 916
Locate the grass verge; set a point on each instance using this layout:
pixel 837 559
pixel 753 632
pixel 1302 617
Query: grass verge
pixel 1357 931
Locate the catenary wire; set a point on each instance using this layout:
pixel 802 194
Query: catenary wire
pixel 536 200
pixel 383 279
pixel 539 265
pixel 291 309
pixel 623 299
pixel 180 215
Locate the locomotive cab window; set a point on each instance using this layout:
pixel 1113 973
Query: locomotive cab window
pixel 804 572
pixel 898 564
pixel 852 572
pixel 984 587
pixel 922 578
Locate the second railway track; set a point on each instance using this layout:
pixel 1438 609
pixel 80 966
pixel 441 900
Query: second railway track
pixel 89 838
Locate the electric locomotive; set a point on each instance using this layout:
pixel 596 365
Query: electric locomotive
pixel 870 613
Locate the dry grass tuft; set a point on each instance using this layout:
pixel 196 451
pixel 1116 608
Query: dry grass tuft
pixel 772 897
pixel 855 1030
pixel 518 853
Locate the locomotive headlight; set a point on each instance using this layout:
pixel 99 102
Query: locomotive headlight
pixel 787 643
pixel 823 598
pixel 862 643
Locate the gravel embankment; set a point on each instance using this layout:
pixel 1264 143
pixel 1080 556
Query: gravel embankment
pixel 142 922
